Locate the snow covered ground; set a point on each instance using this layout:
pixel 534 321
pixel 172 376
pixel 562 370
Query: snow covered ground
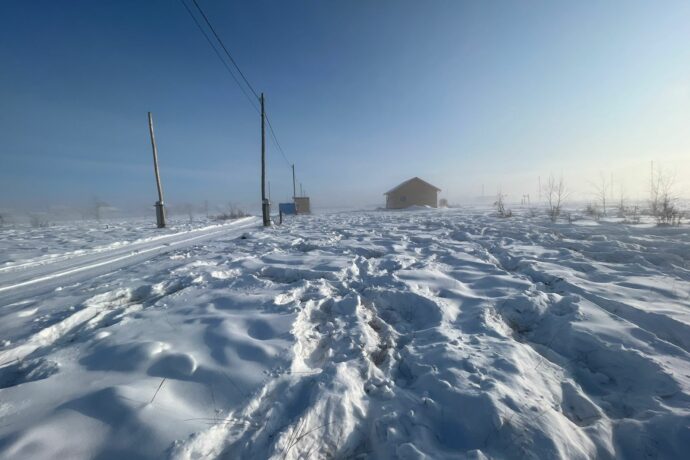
pixel 402 335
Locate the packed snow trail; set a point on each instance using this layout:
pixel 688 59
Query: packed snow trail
pixel 401 335
pixel 33 277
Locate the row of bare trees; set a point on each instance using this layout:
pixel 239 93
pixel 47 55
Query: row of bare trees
pixel 554 191
pixel 662 200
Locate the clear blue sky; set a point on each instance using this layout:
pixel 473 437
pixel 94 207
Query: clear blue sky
pixel 362 94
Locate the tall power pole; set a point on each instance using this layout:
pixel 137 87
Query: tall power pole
pixel 294 187
pixel 265 206
pixel 160 209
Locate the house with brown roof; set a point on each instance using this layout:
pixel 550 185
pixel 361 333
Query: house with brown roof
pixel 412 192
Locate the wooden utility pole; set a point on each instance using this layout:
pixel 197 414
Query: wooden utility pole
pixel 265 206
pixel 160 209
pixel 294 187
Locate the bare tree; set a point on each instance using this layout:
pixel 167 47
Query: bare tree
pixel 662 200
pixel 555 193
pixel 601 190
pixel 622 204
pixel 188 209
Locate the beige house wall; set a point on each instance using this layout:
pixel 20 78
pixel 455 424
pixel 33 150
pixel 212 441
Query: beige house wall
pixel 303 205
pixel 412 194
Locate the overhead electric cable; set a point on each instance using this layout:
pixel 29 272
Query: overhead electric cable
pixel 275 140
pixel 215 50
pixel 225 48
pixel 274 137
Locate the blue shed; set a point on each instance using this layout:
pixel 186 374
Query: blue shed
pixel 287 208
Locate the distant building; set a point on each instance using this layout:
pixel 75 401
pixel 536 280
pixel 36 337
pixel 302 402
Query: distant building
pixel 412 192
pixel 302 204
pixel 287 208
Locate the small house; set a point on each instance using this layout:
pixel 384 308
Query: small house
pixel 412 192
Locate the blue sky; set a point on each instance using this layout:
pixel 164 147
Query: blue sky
pixel 362 96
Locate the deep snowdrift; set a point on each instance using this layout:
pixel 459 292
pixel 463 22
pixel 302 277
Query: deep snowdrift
pixel 425 334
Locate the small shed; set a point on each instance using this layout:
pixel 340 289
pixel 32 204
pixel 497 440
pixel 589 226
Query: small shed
pixel 412 192
pixel 287 208
pixel 302 205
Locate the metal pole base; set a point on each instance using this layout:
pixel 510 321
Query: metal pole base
pixel 160 214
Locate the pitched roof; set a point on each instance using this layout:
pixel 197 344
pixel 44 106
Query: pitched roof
pixel 411 180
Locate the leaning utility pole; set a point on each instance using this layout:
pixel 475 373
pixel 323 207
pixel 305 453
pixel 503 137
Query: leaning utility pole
pixel 265 206
pixel 294 188
pixel 160 209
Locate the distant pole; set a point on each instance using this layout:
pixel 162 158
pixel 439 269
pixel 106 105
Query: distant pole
pixel 269 191
pixel 301 193
pixel 160 209
pixel 265 207
pixel 294 187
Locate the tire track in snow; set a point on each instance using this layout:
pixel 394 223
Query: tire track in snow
pixel 46 277
pixel 95 312
pixel 110 305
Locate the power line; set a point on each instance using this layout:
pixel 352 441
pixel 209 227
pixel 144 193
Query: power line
pixel 215 50
pixel 274 137
pixel 275 140
pixel 224 48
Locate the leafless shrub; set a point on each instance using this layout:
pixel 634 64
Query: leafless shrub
pixel 97 208
pixel 662 201
pixel 500 206
pixel 601 190
pixel 188 209
pixel 667 212
pixel 632 215
pixel 622 207
pixel 39 220
pixel 556 193
pixel 233 212
pixel 593 211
